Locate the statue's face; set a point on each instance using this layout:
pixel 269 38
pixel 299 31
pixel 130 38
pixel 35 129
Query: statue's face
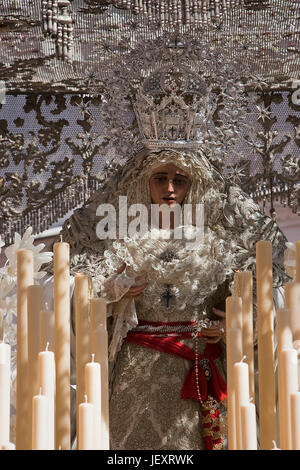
pixel 168 185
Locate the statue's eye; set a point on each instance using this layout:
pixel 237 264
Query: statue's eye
pixel 179 181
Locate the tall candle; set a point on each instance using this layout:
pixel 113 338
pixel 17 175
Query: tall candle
pixel 99 346
pixel 81 297
pixel 295 420
pixel 284 340
pixel 248 427
pixel 297 260
pixel 24 279
pixel 292 302
pixel 287 367
pixel 62 344
pixel 46 381
pixel 47 330
pixel 234 312
pixel 233 355
pixel 283 329
pixel 35 303
pixel 265 342
pixel 234 350
pixel 40 440
pixel 241 380
pixel 93 392
pixel 86 426
pixel 243 283
pixel 5 353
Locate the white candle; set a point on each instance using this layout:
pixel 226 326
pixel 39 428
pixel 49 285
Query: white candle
pixel 297 243
pixel 248 427
pixel 82 333
pixel 98 314
pixel 4 393
pixel 46 379
pixel 40 407
pixel 62 344
pixel 86 426
pixel 234 312
pixel 283 329
pixel 292 302
pixel 243 286
pixel 241 381
pixel 295 418
pixel 99 346
pixel 35 303
pixel 288 370
pixel 284 340
pixel 93 392
pixel 265 344
pixel 47 330
pixel 25 279
pixel 234 354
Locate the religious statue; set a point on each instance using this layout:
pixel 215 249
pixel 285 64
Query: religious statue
pixel 166 295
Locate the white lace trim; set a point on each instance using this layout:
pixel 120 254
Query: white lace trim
pixel 121 308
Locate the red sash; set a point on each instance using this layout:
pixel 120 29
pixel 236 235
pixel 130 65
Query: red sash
pixel 210 381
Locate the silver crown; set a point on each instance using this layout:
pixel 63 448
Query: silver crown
pixel 172 109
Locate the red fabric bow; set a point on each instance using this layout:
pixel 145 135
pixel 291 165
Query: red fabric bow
pixel 215 386
pixel 212 386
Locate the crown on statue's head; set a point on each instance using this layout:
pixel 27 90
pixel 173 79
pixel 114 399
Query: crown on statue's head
pixel 172 109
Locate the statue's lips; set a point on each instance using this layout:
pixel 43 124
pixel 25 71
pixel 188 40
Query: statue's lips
pixel 168 199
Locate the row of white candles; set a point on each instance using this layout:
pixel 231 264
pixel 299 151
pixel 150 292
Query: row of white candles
pixel 43 378
pixel 43 412
pixel 43 405
pixel 242 422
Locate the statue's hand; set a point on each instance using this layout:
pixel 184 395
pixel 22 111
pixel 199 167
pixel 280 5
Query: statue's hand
pixel 136 290
pixel 215 333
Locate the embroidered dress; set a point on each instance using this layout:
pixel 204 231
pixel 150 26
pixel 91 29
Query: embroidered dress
pixel 167 385
pixel 149 375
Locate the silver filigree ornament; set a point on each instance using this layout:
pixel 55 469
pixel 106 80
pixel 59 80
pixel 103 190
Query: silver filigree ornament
pixel 176 91
pixel 174 11
pixel 172 108
pixel 58 24
pixel 168 256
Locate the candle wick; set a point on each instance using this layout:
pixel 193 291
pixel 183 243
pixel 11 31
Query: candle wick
pixel 46 305
pixel 41 391
pixel 251 399
pixel 243 358
pixel 61 239
pixel 93 357
pixel 274 445
pixel 47 345
pixel 85 398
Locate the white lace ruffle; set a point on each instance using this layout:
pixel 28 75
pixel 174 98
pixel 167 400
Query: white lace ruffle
pixel 121 308
pixel 125 318
pixel 193 274
pixel 116 286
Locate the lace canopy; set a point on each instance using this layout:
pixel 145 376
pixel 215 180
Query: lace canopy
pixel 87 81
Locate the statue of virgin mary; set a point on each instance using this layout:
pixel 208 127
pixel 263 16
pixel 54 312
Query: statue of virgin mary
pixel 166 300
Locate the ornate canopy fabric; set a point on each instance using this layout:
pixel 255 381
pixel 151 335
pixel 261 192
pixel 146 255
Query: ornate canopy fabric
pixel 93 34
pixel 68 71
